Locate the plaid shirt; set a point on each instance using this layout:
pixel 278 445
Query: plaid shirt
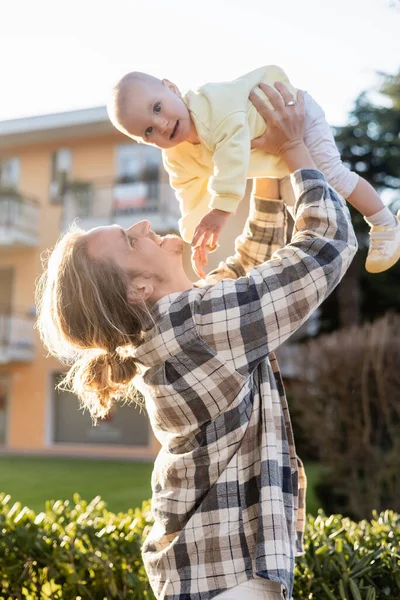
pixel 228 489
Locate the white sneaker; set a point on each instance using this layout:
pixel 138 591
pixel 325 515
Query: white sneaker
pixel 384 248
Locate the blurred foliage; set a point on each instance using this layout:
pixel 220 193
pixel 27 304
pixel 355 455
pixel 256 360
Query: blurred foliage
pixel 370 145
pixel 347 395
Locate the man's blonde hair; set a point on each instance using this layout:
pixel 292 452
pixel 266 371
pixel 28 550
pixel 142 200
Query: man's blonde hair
pixel 86 321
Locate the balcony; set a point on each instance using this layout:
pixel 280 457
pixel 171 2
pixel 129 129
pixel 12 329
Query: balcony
pixel 97 203
pixel 19 221
pixel 16 338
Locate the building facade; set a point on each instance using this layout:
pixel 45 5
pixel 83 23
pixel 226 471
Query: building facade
pixel 105 179
pixel 56 169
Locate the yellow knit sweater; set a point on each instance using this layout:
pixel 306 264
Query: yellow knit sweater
pixel 213 174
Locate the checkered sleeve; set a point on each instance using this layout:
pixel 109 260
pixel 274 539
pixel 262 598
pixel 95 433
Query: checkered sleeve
pixel 247 318
pixel 264 233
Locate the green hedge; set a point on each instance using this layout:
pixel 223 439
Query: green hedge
pixel 77 551
pixel 81 551
pixel 345 560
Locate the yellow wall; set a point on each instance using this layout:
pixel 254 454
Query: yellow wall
pixel 30 384
pixel 28 381
pixel 28 419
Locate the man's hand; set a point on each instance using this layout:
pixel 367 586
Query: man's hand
pixel 285 126
pixel 285 123
pixel 206 238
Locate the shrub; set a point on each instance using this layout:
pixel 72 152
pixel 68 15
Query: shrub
pixel 82 551
pixel 345 560
pixel 72 551
pixel 348 402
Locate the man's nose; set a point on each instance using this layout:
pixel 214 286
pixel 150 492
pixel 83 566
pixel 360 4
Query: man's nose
pixel 142 228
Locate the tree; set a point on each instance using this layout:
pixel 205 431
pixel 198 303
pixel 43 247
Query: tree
pixel 370 146
pixel 370 143
pixel 347 399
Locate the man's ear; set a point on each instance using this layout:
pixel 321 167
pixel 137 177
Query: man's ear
pixel 139 292
pixel 172 87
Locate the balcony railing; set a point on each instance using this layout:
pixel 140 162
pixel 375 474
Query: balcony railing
pixel 19 220
pixel 98 203
pixel 16 338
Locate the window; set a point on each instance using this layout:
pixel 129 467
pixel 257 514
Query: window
pixel 10 173
pixel 4 401
pixel 6 289
pixel 61 163
pixel 137 162
pixel 137 178
pixel 126 424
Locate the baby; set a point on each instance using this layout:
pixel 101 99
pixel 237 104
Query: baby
pixel 209 143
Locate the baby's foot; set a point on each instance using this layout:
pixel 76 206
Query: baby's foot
pixel 384 248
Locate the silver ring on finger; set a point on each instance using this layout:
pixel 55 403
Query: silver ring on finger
pixel 291 103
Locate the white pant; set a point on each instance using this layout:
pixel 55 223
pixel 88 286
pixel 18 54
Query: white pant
pixel 321 145
pixel 255 589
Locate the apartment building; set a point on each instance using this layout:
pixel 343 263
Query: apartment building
pixel 56 169
pixel 105 178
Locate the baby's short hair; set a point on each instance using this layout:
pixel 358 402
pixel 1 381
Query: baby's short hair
pixel 122 96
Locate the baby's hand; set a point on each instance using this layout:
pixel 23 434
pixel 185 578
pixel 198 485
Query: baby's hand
pixel 199 260
pixel 206 237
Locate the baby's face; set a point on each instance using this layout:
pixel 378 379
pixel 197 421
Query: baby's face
pixel 157 115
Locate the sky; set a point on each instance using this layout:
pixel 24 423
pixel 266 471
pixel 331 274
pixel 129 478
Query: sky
pixel 60 56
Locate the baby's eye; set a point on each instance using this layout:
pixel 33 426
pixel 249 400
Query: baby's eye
pixel 157 108
pixel 148 131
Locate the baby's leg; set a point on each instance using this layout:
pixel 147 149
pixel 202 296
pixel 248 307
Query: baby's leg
pixel 384 251
pixel 321 144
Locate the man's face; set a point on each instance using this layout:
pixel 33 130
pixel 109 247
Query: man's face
pixel 157 115
pixel 137 250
